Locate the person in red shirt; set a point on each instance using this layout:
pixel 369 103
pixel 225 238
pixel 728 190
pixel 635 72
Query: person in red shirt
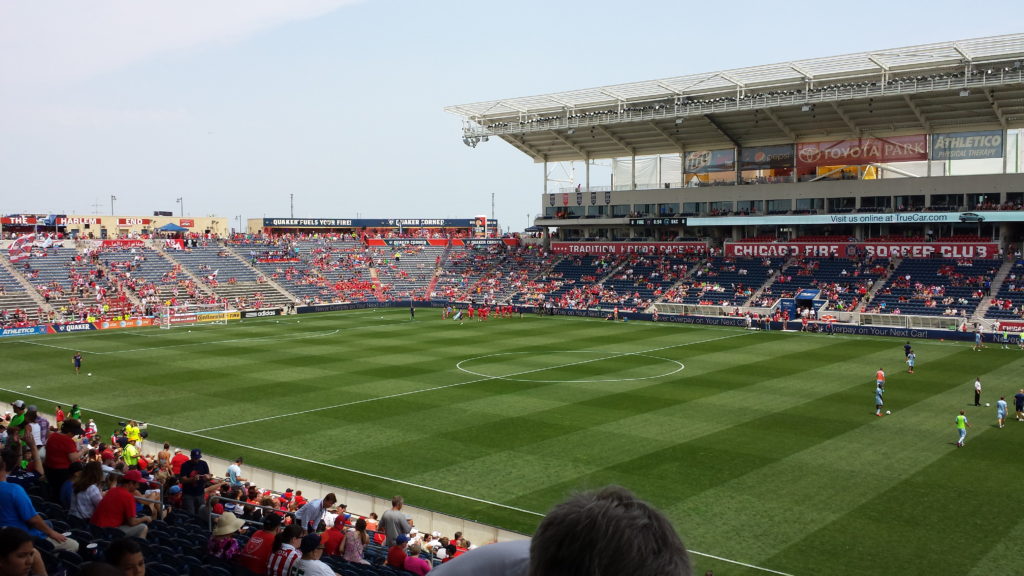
pixel 396 553
pixel 332 539
pixel 177 461
pixel 254 556
pixel 117 508
pixel 61 451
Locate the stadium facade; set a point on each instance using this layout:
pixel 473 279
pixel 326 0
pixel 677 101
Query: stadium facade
pixel 914 143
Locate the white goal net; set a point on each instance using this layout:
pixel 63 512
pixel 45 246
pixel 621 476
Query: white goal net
pixel 171 316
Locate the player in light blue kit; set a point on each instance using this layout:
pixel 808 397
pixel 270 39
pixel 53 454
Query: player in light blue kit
pixel 879 390
pixel 1001 411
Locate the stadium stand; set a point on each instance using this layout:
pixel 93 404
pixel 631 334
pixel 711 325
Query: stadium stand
pixel 935 287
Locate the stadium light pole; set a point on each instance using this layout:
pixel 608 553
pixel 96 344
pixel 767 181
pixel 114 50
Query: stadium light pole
pixel 181 207
pixel 112 198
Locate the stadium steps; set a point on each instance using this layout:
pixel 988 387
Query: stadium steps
pixel 996 284
pixel 684 279
pixel 183 268
pixel 27 298
pixel 880 283
pixel 267 280
pixel 771 280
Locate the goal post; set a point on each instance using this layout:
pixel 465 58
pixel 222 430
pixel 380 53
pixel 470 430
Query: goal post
pixel 174 315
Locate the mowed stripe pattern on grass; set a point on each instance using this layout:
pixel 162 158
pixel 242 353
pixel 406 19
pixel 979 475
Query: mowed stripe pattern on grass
pixel 764 449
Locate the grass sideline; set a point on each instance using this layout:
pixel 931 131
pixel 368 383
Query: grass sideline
pixel 762 448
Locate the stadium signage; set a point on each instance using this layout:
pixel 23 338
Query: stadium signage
pixel 861 151
pixel 967 145
pixel 262 313
pixel 307 222
pixel 1011 326
pixel 186 223
pixel 19 220
pixel 407 242
pixel 767 157
pixel 371 223
pixel 704 161
pixel 133 221
pixel 76 221
pixel 73 327
pixel 26 331
pixel 876 249
pixel 628 247
pixel 657 221
pixel 874 218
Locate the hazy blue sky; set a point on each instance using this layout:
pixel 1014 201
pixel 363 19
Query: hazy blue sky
pixel 235 104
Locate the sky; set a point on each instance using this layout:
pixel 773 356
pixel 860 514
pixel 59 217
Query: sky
pixel 335 108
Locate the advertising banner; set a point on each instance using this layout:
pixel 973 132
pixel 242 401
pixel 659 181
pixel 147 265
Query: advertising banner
pixel 767 157
pixel 1011 326
pixel 129 323
pixel 26 331
pixel 217 316
pixel 186 223
pixel 873 249
pixel 810 155
pixel 262 313
pixel 704 161
pixel 628 247
pixel 968 145
pixel 77 327
pixel 440 242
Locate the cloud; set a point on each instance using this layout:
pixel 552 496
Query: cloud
pixel 61 41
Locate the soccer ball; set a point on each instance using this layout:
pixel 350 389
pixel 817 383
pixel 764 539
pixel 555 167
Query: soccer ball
pixel 987 404
pixel 29 386
pixel 89 374
pixel 887 412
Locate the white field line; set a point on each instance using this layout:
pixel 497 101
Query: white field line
pixel 484 379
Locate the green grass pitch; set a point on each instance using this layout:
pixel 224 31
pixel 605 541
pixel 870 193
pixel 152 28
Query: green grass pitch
pixel 763 448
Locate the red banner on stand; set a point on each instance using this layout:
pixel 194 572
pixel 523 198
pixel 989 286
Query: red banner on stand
pixel 628 247
pixel 871 249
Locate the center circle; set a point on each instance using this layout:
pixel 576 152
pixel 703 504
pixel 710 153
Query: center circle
pixel 521 369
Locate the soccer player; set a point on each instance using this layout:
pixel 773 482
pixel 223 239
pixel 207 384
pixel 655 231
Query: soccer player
pixel 76 360
pixel 977 341
pixel 879 390
pixel 906 349
pixel 1001 411
pixel 961 427
pixel 1018 404
pixel 880 378
pixel 911 360
pixel 977 391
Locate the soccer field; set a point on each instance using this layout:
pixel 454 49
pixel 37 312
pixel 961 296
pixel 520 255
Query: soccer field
pixel 762 447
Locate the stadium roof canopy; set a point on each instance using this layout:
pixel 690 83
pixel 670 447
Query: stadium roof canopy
pixel 973 84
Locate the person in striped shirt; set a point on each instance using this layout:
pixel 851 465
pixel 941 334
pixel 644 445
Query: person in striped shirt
pixel 285 552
